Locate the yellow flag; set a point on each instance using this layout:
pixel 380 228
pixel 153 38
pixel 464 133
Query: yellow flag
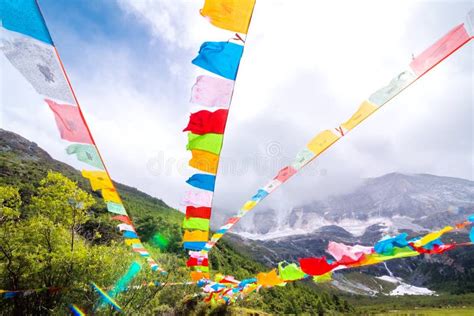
pixel 98 179
pixel 249 205
pixel 204 161
pixel 198 275
pixel 130 242
pixel 232 15
pixel 110 195
pixel 432 236
pixel 365 109
pixel 196 235
pixel 269 279
pixel 322 141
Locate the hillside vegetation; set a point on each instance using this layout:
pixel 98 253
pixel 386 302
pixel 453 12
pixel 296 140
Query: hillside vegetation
pixel 50 247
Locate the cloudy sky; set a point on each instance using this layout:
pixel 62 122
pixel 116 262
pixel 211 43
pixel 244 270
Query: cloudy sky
pixel 306 67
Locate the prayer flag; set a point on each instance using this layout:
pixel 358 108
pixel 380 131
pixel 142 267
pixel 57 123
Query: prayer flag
pixel 212 91
pixel 86 153
pixel 204 161
pixel 70 123
pixel 232 15
pixel 220 58
pixel 196 223
pixel 204 122
pixel 200 212
pixel 209 142
pixel 440 50
pixel 98 179
pixel 202 181
pixel 38 63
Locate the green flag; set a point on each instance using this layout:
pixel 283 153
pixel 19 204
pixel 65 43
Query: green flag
pixel 196 223
pixel 208 142
pixel 290 272
pixel 116 208
pixel 86 153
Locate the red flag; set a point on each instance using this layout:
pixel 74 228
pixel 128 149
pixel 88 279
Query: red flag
pixel 199 212
pixel 204 122
pixel 316 266
pixel 123 218
pixel 285 173
pixel 444 47
pixel 192 262
pixel 70 123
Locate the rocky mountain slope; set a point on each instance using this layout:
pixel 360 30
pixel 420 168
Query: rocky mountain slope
pixel 415 202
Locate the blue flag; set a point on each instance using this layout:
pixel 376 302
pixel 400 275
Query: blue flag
pixel 221 58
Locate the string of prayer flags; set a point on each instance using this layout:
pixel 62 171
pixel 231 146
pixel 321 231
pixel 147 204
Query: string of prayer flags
pixel 27 45
pixel 206 128
pixel 212 91
pixel 452 41
pixel 228 289
pixel 232 15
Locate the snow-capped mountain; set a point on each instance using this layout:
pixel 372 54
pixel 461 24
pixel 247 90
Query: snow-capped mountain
pixel 414 202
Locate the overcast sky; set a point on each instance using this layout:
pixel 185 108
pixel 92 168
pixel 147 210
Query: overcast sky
pixel 307 66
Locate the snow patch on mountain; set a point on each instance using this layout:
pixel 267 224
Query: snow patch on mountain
pixel 405 288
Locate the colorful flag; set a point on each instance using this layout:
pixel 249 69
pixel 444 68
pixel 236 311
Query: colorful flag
pixel 364 111
pixel 24 16
pixel 38 64
pixel 232 15
pixel 220 58
pixel 285 173
pixel 98 179
pixel 444 47
pixel 111 195
pixel 212 91
pixel 203 122
pixel 385 94
pixel 322 141
pixel 198 198
pixel 70 123
pixel 204 161
pixel 210 142
pixel 200 212
pixel 87 154
pixel 196 235
pixel 116 208
pixel 202 181
pixel 196 223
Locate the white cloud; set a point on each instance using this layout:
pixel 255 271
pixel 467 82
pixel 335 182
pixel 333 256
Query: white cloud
pixel 306 67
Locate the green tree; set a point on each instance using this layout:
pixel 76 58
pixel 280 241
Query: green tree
pixel 42 250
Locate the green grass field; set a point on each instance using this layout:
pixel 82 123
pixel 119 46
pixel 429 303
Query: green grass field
pixel 468 311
